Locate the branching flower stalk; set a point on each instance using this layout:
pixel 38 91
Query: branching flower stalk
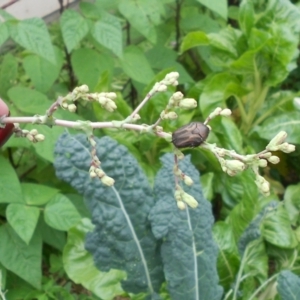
pixel 198 134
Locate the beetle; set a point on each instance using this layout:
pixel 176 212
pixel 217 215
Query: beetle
pixel 190 135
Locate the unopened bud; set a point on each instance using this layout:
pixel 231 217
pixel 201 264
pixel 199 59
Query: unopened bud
pixel 189 200
pixel 83 89
pixel 265 187
pixel 172 76
pixel 100 173
pixel 225 112
pixel 162 88
pixel 33 132
pixel 188 180
pixel 181 205
pixel 170 116
pixel 177 96
pixel 235 165
pixel 136 117
pixel 266 155
pixel 262 163
pixel 112 95
pixel 188 103
pixel 107 180
pixel 177 195
pixel 277 140
pixel 274 159
pixel 110 106
pixel 93 174
pixel 39 137
pixel 64 105
pixel 72 107
pixel 287 148
pixel 30 137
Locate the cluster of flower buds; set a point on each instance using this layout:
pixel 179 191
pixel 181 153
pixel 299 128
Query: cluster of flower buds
pixel 226 112
pixel 186 179
pixel 170 79
pixel 183 198
pixel 277 143
pixel 106 100
pixel 98 172
pixel 262 184
pixel 32 135
pixel 232 166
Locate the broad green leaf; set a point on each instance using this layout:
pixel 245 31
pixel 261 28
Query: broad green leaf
pixel 276 229
pixel 28 100
pixel 74 28
pixel 37 194
pixel 10 188
pixel 78 202
pixel 288 285
pixel 246 16
pixel 8 73
pixel 90 10
pixel 89 65
pixel 55 238
pixel 80 267
pixel 218 6
pixel 3 33
pixel 42 72
pixel 2 277
pixel 108 32
pixel 122 231
pixel 143 15
pixel 60 213
pixel 33 35
pixel 136 66
pixel 193 39
pixel 292 202
pixel 187 237
pixel 23 219
pixel 228 258
pixel 20 258
pixel 161 57
pixel 288 121
pixel 207 185
pixel 217 89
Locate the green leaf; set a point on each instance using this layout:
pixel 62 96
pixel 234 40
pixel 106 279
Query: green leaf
pixel 21 259
pixel 122 237
pixel 108 32
pixel 80 267
pixel 218 6
pixel 10 188
pixel 186 235
pixel 288 121
pixel 33 35
pixel 217 89
pixel 136 66
pixel 60 213
pixel 276 229
pixel 207 185
pixel 292 202
pixel 42 72
pixel 3 33
pixel 143 15
pixel 288 285
pixel 51 236
pixel 193 39
pixel 8 73
pixel 37 194
pixel 23 220
pixel 246 16
pixel 228 258
pixel 29 101
pixel 74 28
pixel 89 65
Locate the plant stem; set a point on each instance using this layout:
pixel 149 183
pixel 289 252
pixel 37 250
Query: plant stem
pixel 262 286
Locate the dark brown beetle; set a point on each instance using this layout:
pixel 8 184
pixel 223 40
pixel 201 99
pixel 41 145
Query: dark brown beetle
pixel 190 135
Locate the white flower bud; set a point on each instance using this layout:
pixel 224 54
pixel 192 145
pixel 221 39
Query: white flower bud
pixel 175 83
pixel 72 108
pixel 262 163
pixel 235 165
pixel 93 174
pixel 100 173
pixel 287 148
pixel 231 173
pixel 64 105
pixel 30 137
pixel 177 96
pixel 162 88
pixel 177 195
pixel 266 155
pixel 172 76
pixel 189 200
pixel 188 180
pixel 39 137
pixel 181 205
pixel 265 187
pixel 83 89
pixel 277 140
pixel 33 132
pixel 170 116
pixel 112 95
pixel 274 159
pixel 188 103
pixel 217 111
pixel 136 117
pixel 225 112
pixel 110 106
pixel 107 180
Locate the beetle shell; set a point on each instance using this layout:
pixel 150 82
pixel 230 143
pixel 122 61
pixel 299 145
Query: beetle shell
pixel 190 135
